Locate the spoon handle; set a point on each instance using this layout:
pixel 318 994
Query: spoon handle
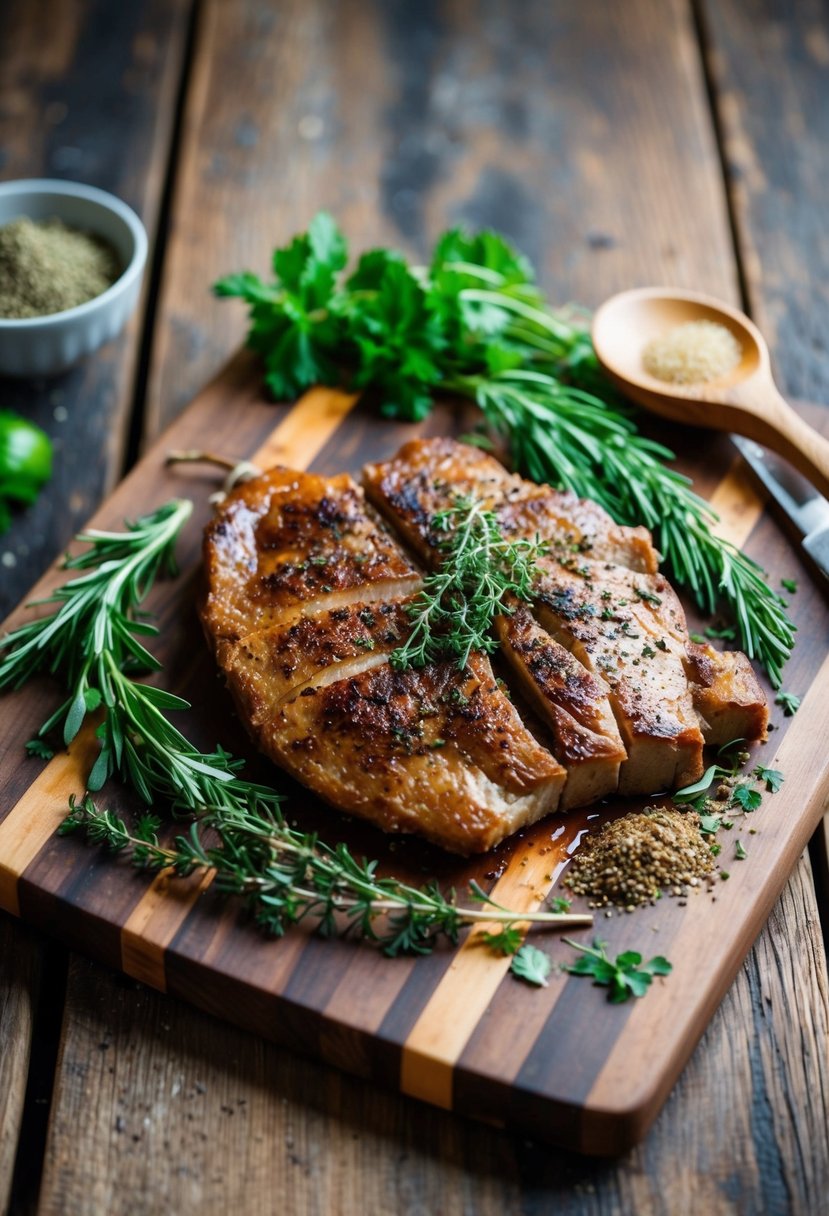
pixel 780 428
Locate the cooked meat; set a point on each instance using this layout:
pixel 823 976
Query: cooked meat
pixel 629 630
pixel 287 543
pixel 427 473
pixel 726 695
pixel 307 597
pixel 574 703
pixel 309 593
pixel 439 752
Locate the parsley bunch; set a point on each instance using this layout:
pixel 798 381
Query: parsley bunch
pixel 474 323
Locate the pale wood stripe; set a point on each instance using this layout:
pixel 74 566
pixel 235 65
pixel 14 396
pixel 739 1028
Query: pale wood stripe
pixel 165 905
pixel 36 816
pixel 738 503
pixel 437 1039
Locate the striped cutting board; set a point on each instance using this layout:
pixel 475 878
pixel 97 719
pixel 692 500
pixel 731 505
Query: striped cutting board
pixel 454 1029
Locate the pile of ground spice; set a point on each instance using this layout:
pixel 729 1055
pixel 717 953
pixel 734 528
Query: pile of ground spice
pixel 693 353
pixel 635 859
pixel 46 267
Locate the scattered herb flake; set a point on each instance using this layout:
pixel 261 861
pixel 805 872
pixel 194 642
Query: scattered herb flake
pixel 789 702
pixel 739 850
pixel 727 634
pixel 40 748
pixel 789 585
pixel 772 777
pixel 745 797
pixel 532 965
pixel 625 977
pixel 506 941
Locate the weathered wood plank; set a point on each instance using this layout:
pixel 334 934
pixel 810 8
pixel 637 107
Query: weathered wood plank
pixel 18 996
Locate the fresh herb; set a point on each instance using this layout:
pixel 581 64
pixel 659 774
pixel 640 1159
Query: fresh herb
pixel 716 849
pixel 479 574
pixel 727 634
pixel 789 702
pixel 40 749
pixel 740 851
pixel 286 876
pixel 475 324
pixel 788 584
pixel 724 875
pixel 560 904
pixel 96 616
pixel 697 638
pixel 506 941
pixel 709 825
pixel 25 463
pixel 696 795
pixel 745 797
pixel 626 976
pixel 772 777
pixel 532 965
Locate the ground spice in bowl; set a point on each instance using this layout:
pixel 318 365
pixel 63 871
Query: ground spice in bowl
pixel 639 857
pixel 47 267
pixel 694 353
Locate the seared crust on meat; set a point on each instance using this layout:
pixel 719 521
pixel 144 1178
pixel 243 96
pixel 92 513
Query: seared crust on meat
pixel 629 630
pixel 574 703
pixel 726 694
pixel 425 473
pixel 286 542
pixel 439 752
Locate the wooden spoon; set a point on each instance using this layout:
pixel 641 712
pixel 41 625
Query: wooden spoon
pixel 746 401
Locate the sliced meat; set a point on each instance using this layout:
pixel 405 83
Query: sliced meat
pixel 439 752
pixel 426 474
pixel 266 667
pixel 726 694
pixel 629 630
pixel 287 543
pixel 586 739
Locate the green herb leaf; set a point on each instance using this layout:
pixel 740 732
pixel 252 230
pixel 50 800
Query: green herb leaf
pixel 747 798
pixel 532 965
pixel 789 585
pixel 625 977
pixel 507 941
pixel 772 777
pixel 739 850
pixel 39 748
pixel 789 702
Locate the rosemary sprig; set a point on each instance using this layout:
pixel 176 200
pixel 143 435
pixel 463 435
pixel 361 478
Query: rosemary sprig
pixel 286 876
pixel 479 573
pixel 96 614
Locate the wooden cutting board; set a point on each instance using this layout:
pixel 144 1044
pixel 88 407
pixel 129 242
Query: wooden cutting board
pixel 454 1028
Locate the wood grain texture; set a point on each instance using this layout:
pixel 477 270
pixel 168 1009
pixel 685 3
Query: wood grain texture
pixel 404 119
pixel 18 996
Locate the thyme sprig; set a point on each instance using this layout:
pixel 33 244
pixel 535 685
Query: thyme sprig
pixel 479 574
pixel 286 877
pixel 474 323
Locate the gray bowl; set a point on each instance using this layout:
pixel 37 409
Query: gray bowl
pixel 43 346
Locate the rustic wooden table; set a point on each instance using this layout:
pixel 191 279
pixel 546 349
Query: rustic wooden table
pixel 657 140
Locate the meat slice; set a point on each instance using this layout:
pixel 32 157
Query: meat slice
pixel 726 694
pixel 267 667
pixel 439 752
pixel 586 739
pixel 426 474
pixel 287 543
pixel 629 630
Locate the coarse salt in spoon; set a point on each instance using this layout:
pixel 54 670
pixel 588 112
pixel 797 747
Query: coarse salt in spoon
pixel 744 400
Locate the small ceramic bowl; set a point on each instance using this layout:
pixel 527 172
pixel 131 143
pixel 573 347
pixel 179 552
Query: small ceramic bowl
pixel 43 346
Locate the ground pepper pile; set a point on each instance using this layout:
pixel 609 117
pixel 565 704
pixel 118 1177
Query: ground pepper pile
pixel 635 859
pixel 46 267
